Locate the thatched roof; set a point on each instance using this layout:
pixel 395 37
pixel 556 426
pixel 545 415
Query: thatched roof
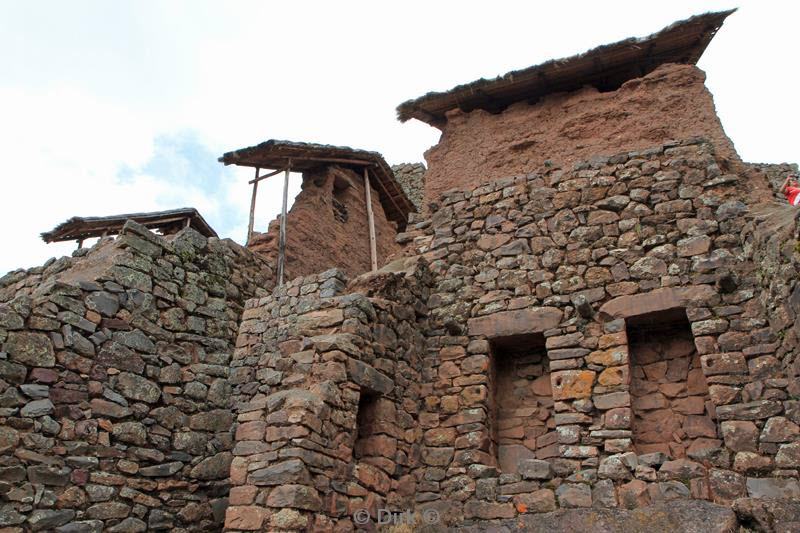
pixel 605 67
pixel 78 228
pixel 276 154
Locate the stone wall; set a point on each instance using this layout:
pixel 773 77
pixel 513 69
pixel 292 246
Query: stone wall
pixel 411 177
pixel 479 147
pixel 613 335
pixel 327 226
pixel 327 388
pixel 594 258
pixel 114 391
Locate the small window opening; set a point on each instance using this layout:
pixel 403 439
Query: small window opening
pixel 340 186
pixel 365 420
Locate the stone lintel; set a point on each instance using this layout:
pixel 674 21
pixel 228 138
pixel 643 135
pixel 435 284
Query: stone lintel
pixel 654 301
pixel 519 322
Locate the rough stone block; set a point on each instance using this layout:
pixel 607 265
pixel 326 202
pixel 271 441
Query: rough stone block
pixel 571 384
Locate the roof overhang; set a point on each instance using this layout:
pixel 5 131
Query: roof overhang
pixel 300 157
pixel 79 228
pixel 605 67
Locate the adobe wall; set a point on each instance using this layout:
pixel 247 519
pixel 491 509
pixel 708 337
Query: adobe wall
pixel 115 405
pixel 327 226
pixel 478 147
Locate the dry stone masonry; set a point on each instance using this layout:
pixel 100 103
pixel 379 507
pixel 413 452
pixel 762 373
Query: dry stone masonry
pixel 116 399
pixel 586 333
pixel 573 338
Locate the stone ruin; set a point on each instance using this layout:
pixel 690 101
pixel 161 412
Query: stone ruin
pixel 583 328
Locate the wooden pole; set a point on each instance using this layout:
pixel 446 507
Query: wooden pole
pixel 373 252
pixel 252 207
pixel 265 176
pixel 282 242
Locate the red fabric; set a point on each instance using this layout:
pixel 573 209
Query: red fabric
pixel 793 195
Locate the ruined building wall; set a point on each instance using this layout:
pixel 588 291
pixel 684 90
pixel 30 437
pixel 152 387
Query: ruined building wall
pixel 327 226
pixel 671 102
pixel 411 177
pixel 592 259
pixel 115 400
pixel 630 282
pixel 327 389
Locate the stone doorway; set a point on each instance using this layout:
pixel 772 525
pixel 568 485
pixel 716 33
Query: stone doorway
pixel 522 420
pixel 669 393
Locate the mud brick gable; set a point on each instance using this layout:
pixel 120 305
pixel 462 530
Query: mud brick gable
pixel 327 226
pixel 479 147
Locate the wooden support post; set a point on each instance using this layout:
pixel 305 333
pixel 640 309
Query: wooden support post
pixel 252 208
pixel 282 242
pixel 373 252
pixel 80 244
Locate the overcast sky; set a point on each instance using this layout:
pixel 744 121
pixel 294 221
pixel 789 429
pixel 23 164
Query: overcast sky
pixel 118 107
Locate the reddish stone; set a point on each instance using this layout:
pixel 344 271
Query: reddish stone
pixel 681 469
pixel 633 494
pixel 779 429
pixel 438 437
pixel 569 384
pixel 79 476
pixel 508 323
pixel 723 394
pixel 733 341
pixel 726 485
pixel 751 463
pixel 656 300
pixel 384 446
pixel 700 426
pixel 254 430
pixel 247 517
pixel 651 401
pixel 655 371
pixel 724 363
pixel 238 471
pixel 619 418
pixel 59 395
pixel 693 405
pixel 541 386
pixel 452 352
pixel 372 477
pixel 609 357
pixel 473 395
pixel 509 457
pixel 672 390
pixel 617 375
pixel 696 383
pixel 491 242
pixel 539 501
pixel 44 375
pixel 489 511
pixel 612 339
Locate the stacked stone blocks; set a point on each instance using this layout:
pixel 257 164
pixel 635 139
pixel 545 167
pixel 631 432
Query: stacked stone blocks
pixel 114 390
pixel 329 424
